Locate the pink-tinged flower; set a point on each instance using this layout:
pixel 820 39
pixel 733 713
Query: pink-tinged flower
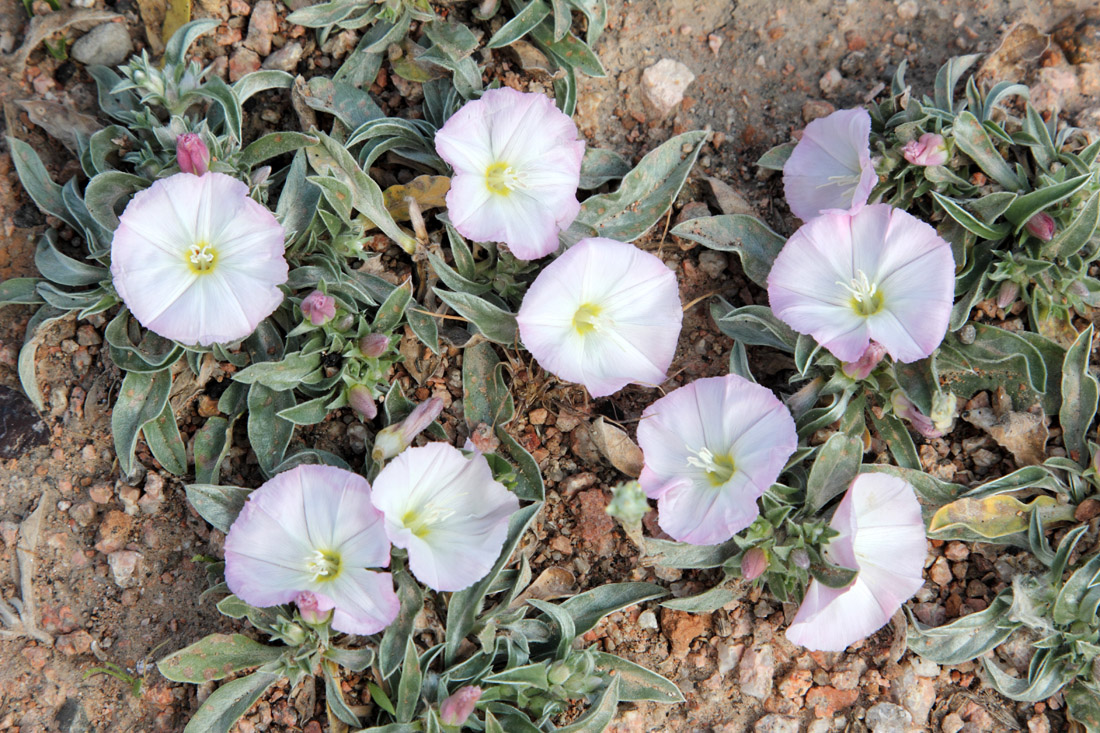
pixel 447 511
pixel 192 155
pixel 313 529
pixel 881 537
pixel 319 308
pixel 753 563
pixel 604 314
pixel 395 438
pixel 362 401
pixel 830 168
pixel 880 274
pixel 712 448
pixel 197 261
pixel 906 410
pixel 373 345
pixel 459 706
pixel 1006 294
pixel 314 608
pixel 864 365
pixel 517 163
pixel 930 149
pixel 1042 226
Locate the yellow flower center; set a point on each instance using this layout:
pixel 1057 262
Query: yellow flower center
pixel 586 319
pixel 718 468
pixel 420 522
pixel 201 258
pixel 500 178
pixel 866 298
pixel 324 565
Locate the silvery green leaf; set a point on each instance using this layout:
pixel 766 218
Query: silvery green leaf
pixel 1030 204
pixel 162 435
pixel 776 158
pixel 563 620
pixel 636 683
pixel 753 325
pixel 969 221
pixel 588 608
pixel 182 39
pixel 529 485
pixel 268 433
pixel 931 490
pixel 105 193
pixel 485 396
pixel 309 412
pixel 355 660
pixel 280 375
pixel 919 381
pixel 667 554
pixel 25 363
pixel 643 197
pixel 215 657
pixel 965 638
pixel 565 92
pixel 1068 605
pixel 334 696
pixel 299 198
pixel 708 601
pixel 754 243
pixel 218 505
pixel 119 106
pixel 212 442
pixel 1083 704
pixel 217 90
pixel 20 291
pixel 948 77
pixel 229 702
pixel 408 687
pixel 393 308
pixel 351 105
pixel 600 166
pixel 893 431
pixel 424 327
pixel 973 139
pixel 836 465
pixel 62 269
pixel 601 713
pixel 1080 231
pixel 274 144
pixel 1079 398
pixel 569 52
pixel 1043 680
pixel 496 324
pixel 391 649
pixel 141 398
pixel 260 81
pixel 32 174
pixel 995 358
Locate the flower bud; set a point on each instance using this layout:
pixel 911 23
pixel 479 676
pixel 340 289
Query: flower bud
pixel 558 674
pixel 754 563
pixel 800 558
pixel 362 401
pixel 628 502
pixel 314 608
pixel 319 308
pixel 1007 293
pixel 459 706
pixel 192 154
pixel 260 175
pixel 393 439
pixel 373 345
pixel 906 410
pixel 1042 226
pixel 863 366
pixel 929 150
pixel 944 407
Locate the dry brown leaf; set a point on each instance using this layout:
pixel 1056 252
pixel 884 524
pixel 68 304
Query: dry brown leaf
pixel 60 121
pixel 617 447
pixel 729 201
pixel 153 13
pixel 1024 434
pixel 552 583
pixel 43 26
pixel 1020 49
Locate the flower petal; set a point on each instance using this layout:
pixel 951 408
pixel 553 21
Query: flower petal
pixel 365 601
pixel 830 168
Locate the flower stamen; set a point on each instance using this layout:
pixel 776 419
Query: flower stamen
pixel 866 299
pixel 718 468
pixel 420 521
pixel 323 565
pixel 587 318
pixel 201 258
pixel 501 178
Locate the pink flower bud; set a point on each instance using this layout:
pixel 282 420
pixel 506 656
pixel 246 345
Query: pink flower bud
pixel 192 154
pixel 362 401
pixel 801 558
pixel 373 345
pixel 459 706
pixel 906 410
pixel 863 366
pixel 1042 226
pixel 319 308
pixel 1007 293
pixel 393 439
pixel 754 563
pixel 929 150
pixel 315 608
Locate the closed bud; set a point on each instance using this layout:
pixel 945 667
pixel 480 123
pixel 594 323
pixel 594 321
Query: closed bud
pixel 319 308
pixel 314 608
pixel 1007 293
pixel 863 366
pixel 373 345
pixel 1042 226
pixel 929 150
pixel 192 155
pixel 459 706
pixel 393 439
pixel 628 502
pixel 906 410
pixel 754 563
pixel 362 401
pixel 801 558
pixel 260 175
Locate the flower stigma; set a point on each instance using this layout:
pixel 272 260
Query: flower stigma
pixel 586 319
pixel 323 565
pixel 866 299
pixel 420 522
pixel 719 469
pixel 501 178
pixel 201 258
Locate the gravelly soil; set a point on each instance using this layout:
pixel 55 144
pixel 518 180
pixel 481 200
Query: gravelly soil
pixel 759 68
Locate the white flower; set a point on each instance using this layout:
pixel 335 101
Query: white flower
pixel 197 261
pixel 604 314
pixel 447 511
pixel 517 163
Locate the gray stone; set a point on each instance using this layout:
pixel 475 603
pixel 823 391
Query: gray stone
pixel 713 263
pixel 285 59
pixel 773 723
pixel 124 563
pixel 886 717
pixel 663 85
pixel 756 670
pixel 106 45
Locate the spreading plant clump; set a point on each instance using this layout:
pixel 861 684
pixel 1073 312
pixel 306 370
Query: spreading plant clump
pixel 254 264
